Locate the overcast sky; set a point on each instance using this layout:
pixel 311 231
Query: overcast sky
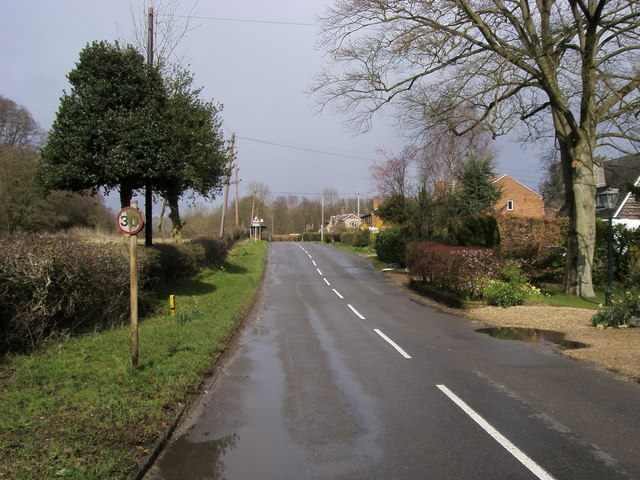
pixel 254 57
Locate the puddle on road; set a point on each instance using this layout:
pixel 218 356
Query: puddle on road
pixel 532 335
pixel 200 460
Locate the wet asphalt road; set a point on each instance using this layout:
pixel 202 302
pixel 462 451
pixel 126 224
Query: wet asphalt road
pixel 341 376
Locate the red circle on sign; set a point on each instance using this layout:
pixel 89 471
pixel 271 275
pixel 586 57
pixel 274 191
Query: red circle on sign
pixel 130 220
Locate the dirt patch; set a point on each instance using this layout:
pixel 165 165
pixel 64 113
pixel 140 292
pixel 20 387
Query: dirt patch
pixel 614 350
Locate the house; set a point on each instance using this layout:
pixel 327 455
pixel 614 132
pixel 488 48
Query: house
pixel 343 221
pixel 517 199
pixel 621 173
pixel 373 221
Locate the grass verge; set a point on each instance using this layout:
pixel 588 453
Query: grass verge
pixel 77 409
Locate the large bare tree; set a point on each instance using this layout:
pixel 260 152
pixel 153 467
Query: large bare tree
pixel 566 68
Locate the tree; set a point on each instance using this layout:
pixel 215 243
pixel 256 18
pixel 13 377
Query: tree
pixel 444 153
pixel 475 193
pixel 17 126
pixel 26 207
pixel 391 177
pixel 23 206
pixel 108 131
pixel 196 151
pixel 566 68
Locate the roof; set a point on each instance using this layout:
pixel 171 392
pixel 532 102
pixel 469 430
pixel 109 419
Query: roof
pixel 514 180
pixel 623 173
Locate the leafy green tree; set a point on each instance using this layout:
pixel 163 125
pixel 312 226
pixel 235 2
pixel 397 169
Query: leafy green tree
pixel 196 154
pixel 108 130
pixel 475 193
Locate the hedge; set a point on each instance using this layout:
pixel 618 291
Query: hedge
pixel 537 243
pixel 51 285
pixel 462 270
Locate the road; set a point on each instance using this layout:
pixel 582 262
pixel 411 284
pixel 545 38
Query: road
pixel 340 375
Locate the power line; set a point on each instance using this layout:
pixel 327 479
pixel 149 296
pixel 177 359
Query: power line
pixel 246 20
pixel 305 149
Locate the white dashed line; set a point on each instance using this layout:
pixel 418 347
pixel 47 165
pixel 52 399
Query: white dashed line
pixel 536 469
pixel 314 263
pixel 392 343
pixel 319 271
pixel 356 312
pixel 326 281
pixel 337 293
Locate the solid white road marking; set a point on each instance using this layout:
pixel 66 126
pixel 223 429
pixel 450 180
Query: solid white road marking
pixel 536 469
pixel 319 271
pixel 337 293
pixel 392 343
pixel 356 312
pixel 326 281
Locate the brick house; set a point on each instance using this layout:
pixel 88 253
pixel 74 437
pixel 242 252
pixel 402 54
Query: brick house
pixel 373 221
pixel 517 199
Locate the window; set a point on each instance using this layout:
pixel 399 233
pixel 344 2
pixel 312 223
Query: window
pixel 510 205
pixel 354 224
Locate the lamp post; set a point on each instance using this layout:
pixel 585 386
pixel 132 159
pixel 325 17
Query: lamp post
pixel 609 198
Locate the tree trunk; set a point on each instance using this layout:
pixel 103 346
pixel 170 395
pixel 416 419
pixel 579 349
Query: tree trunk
pixel 577 166
pixel 163 208
pixel 176 222
pixel 126 193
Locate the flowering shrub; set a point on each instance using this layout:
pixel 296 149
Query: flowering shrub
pixel 622 312
pixel 507 294
pixel 463 270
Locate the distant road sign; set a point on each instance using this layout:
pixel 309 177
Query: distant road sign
pixel 130 220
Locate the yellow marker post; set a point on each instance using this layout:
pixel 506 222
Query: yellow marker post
pixel 172 305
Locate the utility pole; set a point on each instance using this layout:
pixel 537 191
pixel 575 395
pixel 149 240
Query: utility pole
pixel 148 194
pixel 322 222
pixel 237 181
pixel 226 187
pixel 358 195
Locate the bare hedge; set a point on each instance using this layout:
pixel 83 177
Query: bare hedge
pixel 51 285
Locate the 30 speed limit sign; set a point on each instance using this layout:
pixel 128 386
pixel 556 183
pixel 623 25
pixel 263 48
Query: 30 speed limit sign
pixel 130 220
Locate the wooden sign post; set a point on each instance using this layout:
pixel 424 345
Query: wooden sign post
pixel 130 222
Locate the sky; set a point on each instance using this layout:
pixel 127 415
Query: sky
pixel 256 58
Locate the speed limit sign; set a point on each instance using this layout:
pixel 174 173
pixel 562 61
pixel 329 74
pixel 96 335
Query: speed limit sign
pixel 130 220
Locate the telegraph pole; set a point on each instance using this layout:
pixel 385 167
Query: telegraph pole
pixel 237 218
pixel 322 222
pixel 148 194
pixel 226 187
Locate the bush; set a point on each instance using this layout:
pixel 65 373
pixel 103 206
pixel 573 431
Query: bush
pixel 504 294
pixel 390 246
pixel 51 285
pixel 364 238
pixel 477 231
pixel 285 238
pixel 537 243
pixel 176 260
pixel 624 311
pixel 311 237
pixel 462 270
pixel 215 250
pixel 350 237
